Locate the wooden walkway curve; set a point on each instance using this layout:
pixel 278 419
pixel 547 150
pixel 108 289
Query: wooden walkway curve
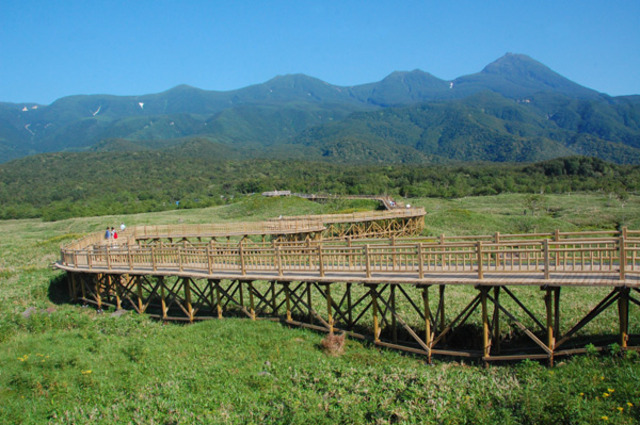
pixel 377 289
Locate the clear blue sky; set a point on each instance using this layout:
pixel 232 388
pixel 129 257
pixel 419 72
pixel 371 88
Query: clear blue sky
pixel 50 49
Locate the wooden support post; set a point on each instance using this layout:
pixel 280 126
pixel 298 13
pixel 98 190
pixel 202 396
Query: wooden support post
pixel 179 258
pixel 374 307
pixel 108 259
pixel 211 284
pixel 74 287
pixel 548 302
pixel 187 297
pixel 428 338
pixel 118 291
pixel 129 257
pixel 556 311
pixel 329 309
pixel 287 295
pixel 309 285
pixel 252 307
pixel 349 306
pixel 83 282
pixel 486 340
pixel 218 300
pixel 496 320
pixel 441 308
pixel 163 299
pixel 623 314
pixel 139 292
pixel 274 301
pixel 394 327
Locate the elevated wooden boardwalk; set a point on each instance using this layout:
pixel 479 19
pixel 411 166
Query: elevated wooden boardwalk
pixel 377 289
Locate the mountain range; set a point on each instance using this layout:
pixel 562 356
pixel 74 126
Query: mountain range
pixel 514 110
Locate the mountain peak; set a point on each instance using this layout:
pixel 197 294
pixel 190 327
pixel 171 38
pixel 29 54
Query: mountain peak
pixel 517 64
pixel 517 75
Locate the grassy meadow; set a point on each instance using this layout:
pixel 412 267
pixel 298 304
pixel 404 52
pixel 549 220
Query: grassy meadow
pixel 62 363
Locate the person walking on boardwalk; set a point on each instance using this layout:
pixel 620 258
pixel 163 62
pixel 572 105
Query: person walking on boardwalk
pixel 107 234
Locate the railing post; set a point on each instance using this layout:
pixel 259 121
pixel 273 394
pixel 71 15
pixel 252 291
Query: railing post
pixel 209 262
pixel 243 271
pixel 547 263
pixel 367 260
pixel 420 262
pixel 623 257
pixel 108 259
pixel 180 258
pixel 278 259
pixel 129 257
pixel 480 268
pixel 320 261
pixel 153 258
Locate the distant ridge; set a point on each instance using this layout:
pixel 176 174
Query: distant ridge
pixel 515 109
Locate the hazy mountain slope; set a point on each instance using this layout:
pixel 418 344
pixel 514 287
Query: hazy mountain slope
pixel 534 113
pixel 485 127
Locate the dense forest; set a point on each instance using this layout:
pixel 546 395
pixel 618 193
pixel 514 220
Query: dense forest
pixel 64 185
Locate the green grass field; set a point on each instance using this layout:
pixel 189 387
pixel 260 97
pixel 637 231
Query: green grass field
pixel 61 363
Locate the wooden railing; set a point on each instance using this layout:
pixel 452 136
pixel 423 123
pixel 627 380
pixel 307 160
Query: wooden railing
pixel 358 216
pixel 226 229
pixel 587 255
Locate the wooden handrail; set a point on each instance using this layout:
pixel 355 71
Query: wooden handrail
pixel 614 256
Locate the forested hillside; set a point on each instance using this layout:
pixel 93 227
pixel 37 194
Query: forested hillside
pixel 61 185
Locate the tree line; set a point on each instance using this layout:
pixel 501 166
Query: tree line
pixel 63 185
